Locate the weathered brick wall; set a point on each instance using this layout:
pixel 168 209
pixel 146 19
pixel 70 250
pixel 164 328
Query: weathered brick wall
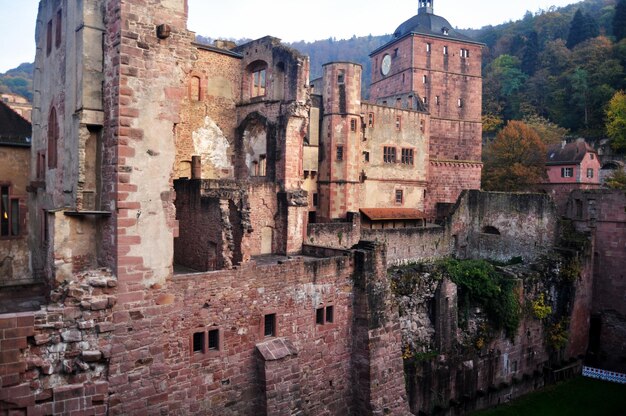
pixel 14 252
pixel 336 235
pixel 55 361
pixel 207 126
pixel 499 226
pixel 604 217
pixel 158 371
pixel 447 179
pixel 560 193
pixel 407 245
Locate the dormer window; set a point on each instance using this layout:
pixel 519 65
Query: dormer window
pixel 445 31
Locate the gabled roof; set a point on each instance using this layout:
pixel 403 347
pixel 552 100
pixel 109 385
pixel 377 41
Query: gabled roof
pixel 381 214
pixel 568 154
pixel 14 129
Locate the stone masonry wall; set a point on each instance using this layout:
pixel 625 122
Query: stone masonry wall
pixel 55 360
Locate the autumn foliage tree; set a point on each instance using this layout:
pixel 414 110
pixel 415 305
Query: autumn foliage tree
pixel 515 160
pixel 616 121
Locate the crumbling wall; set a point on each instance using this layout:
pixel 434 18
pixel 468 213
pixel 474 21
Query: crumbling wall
pixel 55 360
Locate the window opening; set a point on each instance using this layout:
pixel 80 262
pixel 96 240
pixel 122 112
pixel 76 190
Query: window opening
pixel 366 157
pixel 407 156
pixel 590 172
pixel 258 83
pixel 198 342
pixel 262 166
pixel 270 325
pixel 341 77
pixel 370 120
pixel 9 213
pixel 53 137
pixel 353 124
pixel 428 47
pixel 398 122
pixel 315 199
pixel 194 89
pixel 445 50
pixel 214 339
pixel 460 102
pixel 436 100
pixel 319 316
pixel 464 53
pixel 330 314
pixel 399 196
pixel 339 153
pixel 49 38
pixel 567 172
pixel 389 154
pixel 59 23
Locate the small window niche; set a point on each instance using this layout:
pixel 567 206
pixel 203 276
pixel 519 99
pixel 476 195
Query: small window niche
pixel 197 343
pixel 214 339
pixel 330 314
pixel 319 316
pixel 269 325
pixel 324 314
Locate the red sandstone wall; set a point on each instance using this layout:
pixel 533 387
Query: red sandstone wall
pixel 448 179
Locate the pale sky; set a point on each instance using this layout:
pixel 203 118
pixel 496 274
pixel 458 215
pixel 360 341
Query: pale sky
pixel 289 20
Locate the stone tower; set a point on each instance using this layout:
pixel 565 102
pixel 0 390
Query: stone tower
pixel 428 65
pixel 339 180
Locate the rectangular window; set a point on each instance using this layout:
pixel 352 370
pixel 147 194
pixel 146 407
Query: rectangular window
pixel 9 213
pixel 398 102
pixel 258 83
pixel 399 196
pixel 398 122
pixel 353 124
pixel 198 342
pixel 389 154
pixel 445 50
pixel 59 22
pixel 424 79
pixel 366 157
pixel 425 100
pixel 49 38
pixel 339 153
pixel 436 100
pixel 341 77
pixel 319 316
pixel 590 172
pixel 315 200
pixel 262 165
pixel 407 156
pixel 422 126
pixel 567 172
pixel 464 53
pixel 214 339
pixel 41 165
pixel 370 120
pixel 330 314
pixel 270 325
pixel 460 102
pixel 428 47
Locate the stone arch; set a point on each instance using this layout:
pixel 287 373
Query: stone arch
pixel 488 229
pixel 254 148
pixel 195 88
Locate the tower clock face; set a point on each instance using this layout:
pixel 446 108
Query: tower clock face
pixel 385 65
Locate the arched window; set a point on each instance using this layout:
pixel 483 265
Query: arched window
pixel 53 139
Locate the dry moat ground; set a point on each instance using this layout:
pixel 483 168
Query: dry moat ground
pixel 577 397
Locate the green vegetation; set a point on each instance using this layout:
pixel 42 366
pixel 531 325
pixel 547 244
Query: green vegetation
pixel 479 283
pixel 540 309
pixel 616 120
pixel 580 396
pixel 18 81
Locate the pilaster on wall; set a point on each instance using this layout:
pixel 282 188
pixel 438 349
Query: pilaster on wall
pixel 378 372
pixel 147 101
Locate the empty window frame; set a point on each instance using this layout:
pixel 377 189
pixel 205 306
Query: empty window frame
pixel 399 196
pixel 567 172
pixel 425 79
pixel 464 53
pixel 194 89
pixel 58 28
pixel 366 157
pixel 445 50
pixel 324 315
pixel 370 120
pixel 389 154
pixel 590 173
pixel 339 157
pixel 315 200
pixel 49 38
pixel 259 83
pixel 353 125
pixel 41 166
pixel 341 77
pixel 460 102
pixel 330 314
pixel 436 100
pixel 197 343
pixel 269 325
pixel 213 339
pixel 407 156
pixel 428 47
pixel 9 213
pixel 53 139
pixel 319 316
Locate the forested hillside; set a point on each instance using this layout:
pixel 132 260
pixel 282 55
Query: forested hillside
pixel 18 81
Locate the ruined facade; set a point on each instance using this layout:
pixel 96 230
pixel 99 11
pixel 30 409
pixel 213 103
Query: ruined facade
pixel 197 214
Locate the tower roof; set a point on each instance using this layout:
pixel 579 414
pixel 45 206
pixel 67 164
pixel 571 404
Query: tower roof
pixel 425 22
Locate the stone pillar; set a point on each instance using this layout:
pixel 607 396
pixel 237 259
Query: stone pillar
pixel 279 375
pixel 378 370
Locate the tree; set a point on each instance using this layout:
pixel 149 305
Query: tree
pixel 617 180
pixel 548 132
pixel 619 20
pixel 616 121
pixel 515 160
pixel 582 27
pixel 503 82
pixel 530 56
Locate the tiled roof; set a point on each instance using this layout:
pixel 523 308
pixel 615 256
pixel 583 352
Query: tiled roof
pixel 568 154
pixel 380 214
pixel 14 130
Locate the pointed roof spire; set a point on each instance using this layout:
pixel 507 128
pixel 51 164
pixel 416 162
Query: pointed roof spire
pixel 425 6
